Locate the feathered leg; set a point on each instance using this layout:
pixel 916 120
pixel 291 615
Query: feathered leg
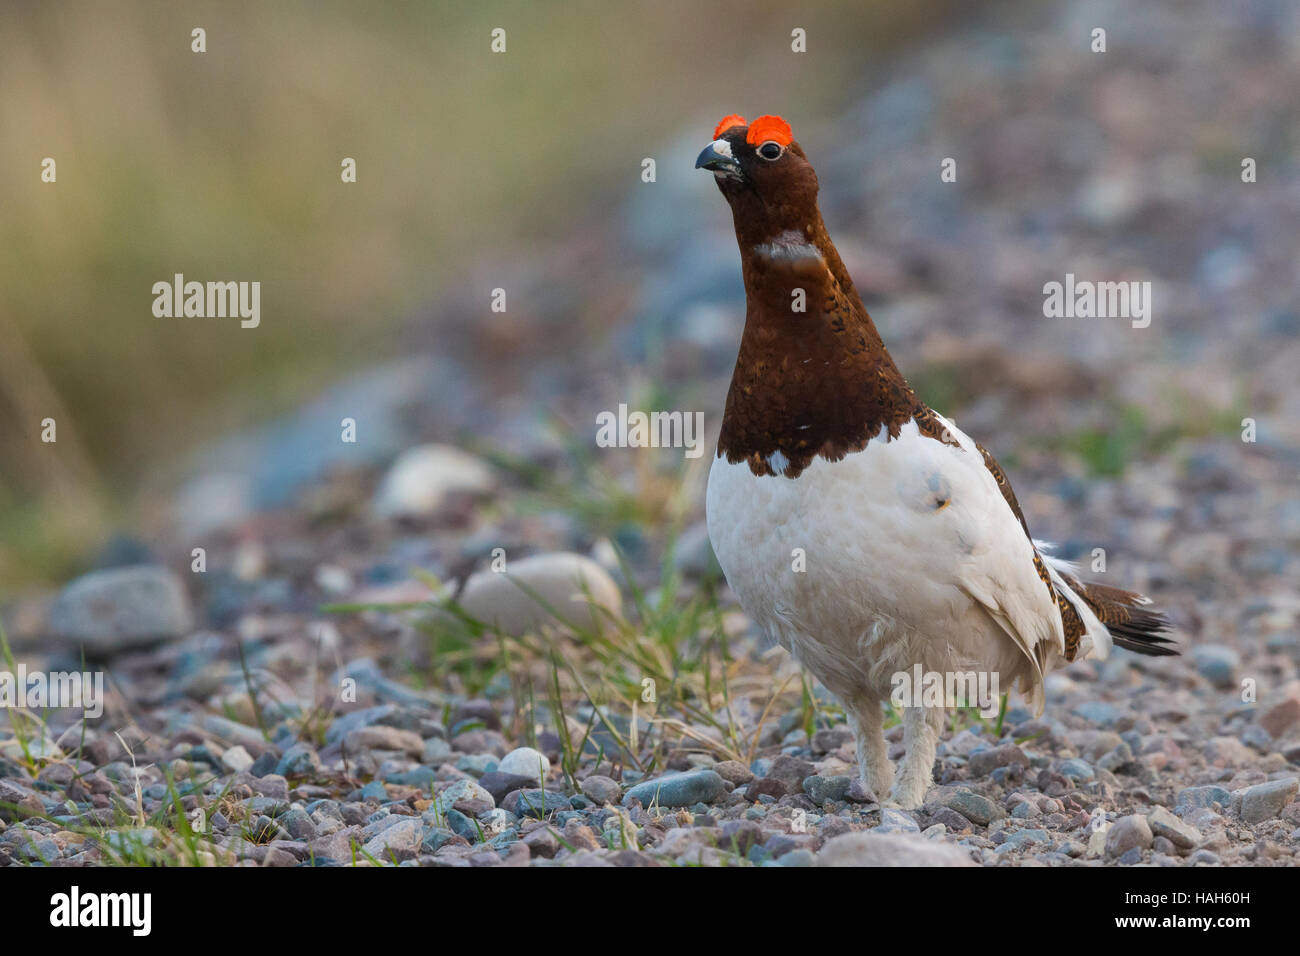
pixel 916 770
pixel 868 723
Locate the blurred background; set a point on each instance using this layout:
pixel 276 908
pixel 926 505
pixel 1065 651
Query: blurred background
pixel 523 171
pixel 226 165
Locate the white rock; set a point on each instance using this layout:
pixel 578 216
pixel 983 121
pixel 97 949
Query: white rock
pixel 236 759
pixel 522 597
pixel 421 478
pixel 525 762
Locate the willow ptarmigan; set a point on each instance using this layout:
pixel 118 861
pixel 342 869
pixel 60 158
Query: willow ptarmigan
pixel 914 549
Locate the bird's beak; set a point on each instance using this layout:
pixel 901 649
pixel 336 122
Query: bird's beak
pixel 717 157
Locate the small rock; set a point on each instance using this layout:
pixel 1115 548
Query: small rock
pixel 896 821
pixel 402 840
pixel 536 803
pixel 977 809
pixel 1128 833
pixel 1097 712
pixel 420 480
pixel 1202 797
pixel 983 762
pixel 466 790
pixel 1165 824
pixel 1076 769
pixel 823 790
pixel 890 849
pixel 734 772
pixel 525 762
pixel 1266 800
pixel 1217 664
pixel 678 790
pixel 1279 718
pixel 601 790
pixel 236 759
pixel 859 792
pixel 383 738
pixel 500 784
pixel 122 608
pixel 532 591
pixel 791 771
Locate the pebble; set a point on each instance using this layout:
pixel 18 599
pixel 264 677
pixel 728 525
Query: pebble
pixel 823 790
pixel 1264 801
pixel 236 759
pixel 525 762
pixel 1217 664
pixel 890 849
pixel 419 482
pixel 1164 824
pixel 120 609
pixel 1128 833
pixel 677 790
pixel 532 591
pixel 975 808
pixel 601 790
pixel 983 762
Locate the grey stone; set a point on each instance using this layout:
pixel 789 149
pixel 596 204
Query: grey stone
pixel 1265 801
pixel 1165 824
pixel 896 821
pixel 983 762
pixel 975 808
pixel 298 760
pixel 678 790
pixel 601 790
pixel 1128 833
pixel 890 849
pixel 1202 797
pixel 1217 664
pixel 1076 769
pixel 122 608
pixel 1097 712
pixel 421 479
pixel 824 790
pixel 536 802
pixel 401 838
pixel 525 762
pixel 500 784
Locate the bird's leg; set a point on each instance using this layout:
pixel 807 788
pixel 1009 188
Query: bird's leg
pixel 916 770
pixel 874 768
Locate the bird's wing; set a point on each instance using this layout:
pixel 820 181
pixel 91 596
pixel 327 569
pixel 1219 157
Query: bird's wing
pixel 1001 569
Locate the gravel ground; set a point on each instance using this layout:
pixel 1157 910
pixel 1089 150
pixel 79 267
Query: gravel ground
pixel 248 722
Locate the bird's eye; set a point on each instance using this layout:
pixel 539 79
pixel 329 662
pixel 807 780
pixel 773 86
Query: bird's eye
pixel 770 150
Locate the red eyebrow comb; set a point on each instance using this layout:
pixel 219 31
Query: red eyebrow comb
pixel 735 119
pixel 767 128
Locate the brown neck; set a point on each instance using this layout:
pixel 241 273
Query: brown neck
pixel 817 382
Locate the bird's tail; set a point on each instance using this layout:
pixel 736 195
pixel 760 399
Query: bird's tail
pixel 1128 616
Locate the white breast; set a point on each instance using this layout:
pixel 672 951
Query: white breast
pixel 910 554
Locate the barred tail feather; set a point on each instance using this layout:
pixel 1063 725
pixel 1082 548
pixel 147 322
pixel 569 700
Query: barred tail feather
pixel 1132 623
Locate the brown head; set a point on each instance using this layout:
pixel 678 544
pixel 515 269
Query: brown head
pixel 764 176
pixel 813 378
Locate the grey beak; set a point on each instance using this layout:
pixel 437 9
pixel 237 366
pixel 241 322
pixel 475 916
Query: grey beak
pixel 711 159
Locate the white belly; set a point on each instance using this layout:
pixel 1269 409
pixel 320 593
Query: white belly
pixel 861 570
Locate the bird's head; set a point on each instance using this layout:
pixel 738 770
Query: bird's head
pixel 764 175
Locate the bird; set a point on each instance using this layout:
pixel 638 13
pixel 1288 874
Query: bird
pixel 861 529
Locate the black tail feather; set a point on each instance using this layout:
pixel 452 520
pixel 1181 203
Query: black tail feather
pixel 1132 625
